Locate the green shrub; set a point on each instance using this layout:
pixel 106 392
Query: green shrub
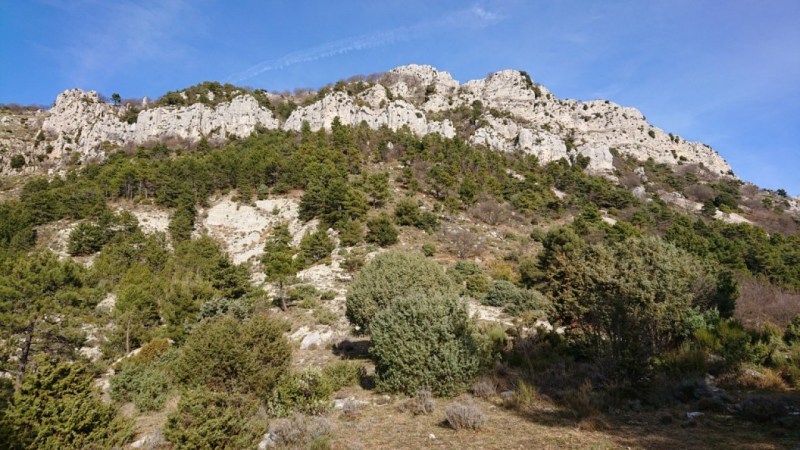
pixel 308 392
pixel 428 249
pixel 381 231
pixel 528 272
pixel 343 373
pixel 351 232
pixel 305 295
pixel 792 333
pixel 515 300
pixel 85 239
pixel 503 293
pixel 389 276
pixel 462 269
pixel 353 261
pixel 406 212
pixel 686 361
pixel 130 116
pixel 477 285
pixel 56 406
pixel 315 247
pixel 424 342
pixel 146 378
pixel 181 224
pixel 17 161
pixel 728 340
pixel 629 301
pixel 229 355
pixel 207 419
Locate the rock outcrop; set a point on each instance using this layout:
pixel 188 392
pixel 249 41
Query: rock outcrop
pixel 506 111
pixel 80 123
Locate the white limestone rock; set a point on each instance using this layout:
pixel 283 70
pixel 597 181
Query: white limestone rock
pixel 517 114
pixel 396 114
pixel 80 122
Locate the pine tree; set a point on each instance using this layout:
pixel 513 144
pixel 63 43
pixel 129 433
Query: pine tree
pixel 278 262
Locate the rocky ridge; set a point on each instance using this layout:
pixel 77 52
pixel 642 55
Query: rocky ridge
pixel 505 111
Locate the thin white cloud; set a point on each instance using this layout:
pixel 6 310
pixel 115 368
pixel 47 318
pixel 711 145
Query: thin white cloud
pixel 474 17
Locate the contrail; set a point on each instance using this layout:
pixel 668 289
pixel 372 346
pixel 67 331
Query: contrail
pixel 476 17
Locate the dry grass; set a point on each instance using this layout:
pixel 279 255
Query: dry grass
pixel 386 427
pixel 762 378
pixel 759 303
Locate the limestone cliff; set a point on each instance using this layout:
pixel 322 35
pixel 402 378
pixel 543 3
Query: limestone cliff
pixel 506 111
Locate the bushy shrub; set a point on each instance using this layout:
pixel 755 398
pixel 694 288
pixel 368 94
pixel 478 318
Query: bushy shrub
pixel 581 401
pixel 389 276
pixel 85 239
pixel 407 212
pixel 792 332
pixel 462 269
pixel 306 295
pixel 476 285
pixel 734 344
pixel 422 402
pixel 301 432
pixel 484 389
pixel 428 249
pixel 503 293
pixel 424 342
pixel 56 406
pixel 181 224
pixel 239 308
pixel 381 230
pixel 353 261
pixel 315 247
pixel 17 161
pixel 229 355
pixel 464 417
pixel 515 300
pixel 308 392
pixel 145 379
pixel 351 232
pixel 628 302
pixel 343 373
pixel 207 419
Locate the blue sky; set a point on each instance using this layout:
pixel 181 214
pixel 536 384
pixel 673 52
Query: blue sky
pixel 726 73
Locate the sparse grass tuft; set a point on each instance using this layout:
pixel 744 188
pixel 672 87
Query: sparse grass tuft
pixel 422 402
pixel 295 432
pixel 484 389
pixel 464 417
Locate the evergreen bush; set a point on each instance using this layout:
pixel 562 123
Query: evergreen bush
pixel 389 276
pixel 424 342
pixel 229 355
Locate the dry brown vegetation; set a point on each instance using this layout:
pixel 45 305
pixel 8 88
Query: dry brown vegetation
pixel 760 302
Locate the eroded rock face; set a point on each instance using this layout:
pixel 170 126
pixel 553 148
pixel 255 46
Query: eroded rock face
pixel 395 114
pixel 513 113
pixel 80 123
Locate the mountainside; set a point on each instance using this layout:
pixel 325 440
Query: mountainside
pixel 506 111
pixel 393 261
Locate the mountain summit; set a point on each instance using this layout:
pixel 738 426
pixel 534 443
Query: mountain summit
pixel 506 111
